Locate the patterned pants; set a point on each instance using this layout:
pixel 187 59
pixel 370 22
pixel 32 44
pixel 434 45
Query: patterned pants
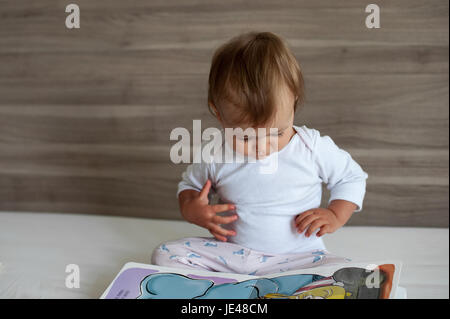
pixel 208 253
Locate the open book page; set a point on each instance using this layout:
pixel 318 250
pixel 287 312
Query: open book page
pixel 142 281
pixel 338 281
pixel 355 280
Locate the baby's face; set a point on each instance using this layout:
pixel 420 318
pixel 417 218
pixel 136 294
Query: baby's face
pixel 259 142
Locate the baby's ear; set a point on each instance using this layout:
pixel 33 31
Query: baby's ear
pixel 213 108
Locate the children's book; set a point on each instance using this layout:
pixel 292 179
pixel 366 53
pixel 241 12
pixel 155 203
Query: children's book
pixel 377 280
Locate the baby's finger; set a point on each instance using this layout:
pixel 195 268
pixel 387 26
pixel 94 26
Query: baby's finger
pixel 224 219
pixel 205 190
pixel 314 226
pixel 305 222
pixel 219 237
pixel 221 231
pixel 324 230
pixel 223 207
pixel 303 215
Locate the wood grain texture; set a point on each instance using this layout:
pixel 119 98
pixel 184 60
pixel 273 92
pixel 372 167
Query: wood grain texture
pixel 85 115
pixel 115 24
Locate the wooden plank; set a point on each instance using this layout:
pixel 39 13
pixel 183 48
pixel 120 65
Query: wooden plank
pixel 362 111
pixel 102 161
pixel 131 196
pixel 388 205
pixel 379 111
pixel 411 167
pixel 384 166
pixel 404 205
pixel 404 187
pixel 98 125
pixel 116 24
pixel 332 59
pixel 123 79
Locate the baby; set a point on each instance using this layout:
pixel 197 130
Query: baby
pixel 264 222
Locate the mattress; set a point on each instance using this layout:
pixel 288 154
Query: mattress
pixel 35 249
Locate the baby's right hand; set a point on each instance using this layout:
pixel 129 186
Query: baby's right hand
pixel 195 209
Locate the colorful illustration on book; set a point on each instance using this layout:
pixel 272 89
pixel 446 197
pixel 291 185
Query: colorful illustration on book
pixel 344 283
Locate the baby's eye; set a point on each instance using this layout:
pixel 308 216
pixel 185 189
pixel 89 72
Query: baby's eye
pixel 280 134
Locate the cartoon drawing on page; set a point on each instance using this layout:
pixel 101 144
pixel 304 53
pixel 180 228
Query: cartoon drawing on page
pixel 138 281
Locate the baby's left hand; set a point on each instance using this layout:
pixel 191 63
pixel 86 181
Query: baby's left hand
pixel 316 218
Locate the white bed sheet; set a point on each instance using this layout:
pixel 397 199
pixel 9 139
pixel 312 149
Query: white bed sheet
pixel 35 249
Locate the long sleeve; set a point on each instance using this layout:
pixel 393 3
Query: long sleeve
pixel 344 177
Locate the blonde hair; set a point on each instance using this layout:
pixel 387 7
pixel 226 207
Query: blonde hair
pixel 248 72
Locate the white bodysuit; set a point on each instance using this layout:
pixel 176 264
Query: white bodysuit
pixel 268 203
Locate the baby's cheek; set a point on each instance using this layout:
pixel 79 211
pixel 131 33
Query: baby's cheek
pixel 247 149
pixel 273 145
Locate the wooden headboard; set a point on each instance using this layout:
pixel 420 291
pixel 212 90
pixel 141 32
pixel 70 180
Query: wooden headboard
pixel 85 114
